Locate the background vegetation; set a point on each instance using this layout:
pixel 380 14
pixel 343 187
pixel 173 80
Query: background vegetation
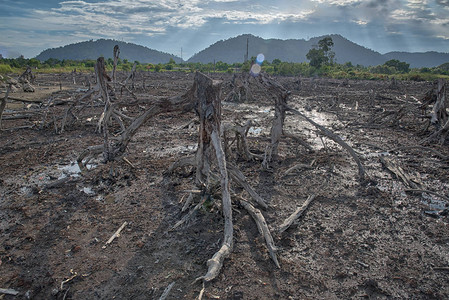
pixel 324 68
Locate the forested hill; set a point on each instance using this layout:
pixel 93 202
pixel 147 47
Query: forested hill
pixel 93 49
pixel 234 49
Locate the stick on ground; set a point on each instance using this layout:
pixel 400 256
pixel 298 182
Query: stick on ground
pixel 289 221
pixel 263 229
pixel 116 234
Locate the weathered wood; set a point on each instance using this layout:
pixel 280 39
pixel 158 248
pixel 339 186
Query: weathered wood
pixel 116 234
pixel 263 230
pixel 209 111
pixel 9 292
pixel 238 177
pixel 216 262
pixel 335 138
pixel 428 192
pixel 3 104
pixel 399 172
pixel 295 216
pixel 116 54
pixel 167 291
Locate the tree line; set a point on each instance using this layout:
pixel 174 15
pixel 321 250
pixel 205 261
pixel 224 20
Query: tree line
pixel 321 63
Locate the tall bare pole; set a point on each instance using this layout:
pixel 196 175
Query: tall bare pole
pixel 246 55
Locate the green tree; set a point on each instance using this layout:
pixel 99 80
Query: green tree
pixel 323 54
pixel 400 66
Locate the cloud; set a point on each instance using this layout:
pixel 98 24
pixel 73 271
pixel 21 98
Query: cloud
pixel 166 24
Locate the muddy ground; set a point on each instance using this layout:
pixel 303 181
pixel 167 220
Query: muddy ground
pixel 368 239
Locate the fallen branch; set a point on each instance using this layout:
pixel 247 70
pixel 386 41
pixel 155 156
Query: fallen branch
pixel 428 192
pixel 293 217
pixel 116 234
pixel 167 291
pixel 399 172
pixel 440 155
pixel 263 229
pixel 9 292
pixel 333 137
pixel 238 177
pixel 299 166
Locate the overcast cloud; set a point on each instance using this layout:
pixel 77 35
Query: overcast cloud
pixel 30 26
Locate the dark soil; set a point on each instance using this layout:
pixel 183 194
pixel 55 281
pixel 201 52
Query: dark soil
pixel 369 239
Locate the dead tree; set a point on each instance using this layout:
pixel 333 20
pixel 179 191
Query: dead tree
pixel 116 54
pixel 277 128
pixel 3 104
pixel 280 101
pixel 209 141
pixel 27 76
pixel 438 116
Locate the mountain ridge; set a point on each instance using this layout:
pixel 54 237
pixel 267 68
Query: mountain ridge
pixel 233 50
pixel 295 50
pixel 104 47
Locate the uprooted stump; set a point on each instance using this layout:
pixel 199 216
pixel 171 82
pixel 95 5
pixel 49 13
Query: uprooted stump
pixel 438 116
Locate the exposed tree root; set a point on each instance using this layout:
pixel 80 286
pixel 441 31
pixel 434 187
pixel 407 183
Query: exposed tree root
pixel 335 138
pixel 263 230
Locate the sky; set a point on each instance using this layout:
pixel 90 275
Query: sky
pixel 30 26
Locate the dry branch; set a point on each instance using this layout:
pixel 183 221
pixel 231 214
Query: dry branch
pixel 263 229
pixel 116 234
pixel 399 172
pixel 335 138
pixel 428 192
pixel 9 292
pixel 167 291
pixel 238 177
pixel 295 216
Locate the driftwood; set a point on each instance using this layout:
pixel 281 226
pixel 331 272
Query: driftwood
pixel 263 229
pixel 295 216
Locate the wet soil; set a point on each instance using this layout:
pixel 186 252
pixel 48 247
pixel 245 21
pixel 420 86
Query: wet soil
pixel 369 239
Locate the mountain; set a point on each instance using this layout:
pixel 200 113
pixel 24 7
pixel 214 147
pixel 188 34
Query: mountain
pixel 419 59
pixel 295 50
pixel 93 49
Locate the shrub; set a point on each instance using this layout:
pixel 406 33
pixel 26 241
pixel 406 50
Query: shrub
pixel 5 69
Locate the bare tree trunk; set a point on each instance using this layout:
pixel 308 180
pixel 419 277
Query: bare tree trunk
pixel 439 116
pixel 116 54
pixel 108 155
pixel 209 110
pixel 3 104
